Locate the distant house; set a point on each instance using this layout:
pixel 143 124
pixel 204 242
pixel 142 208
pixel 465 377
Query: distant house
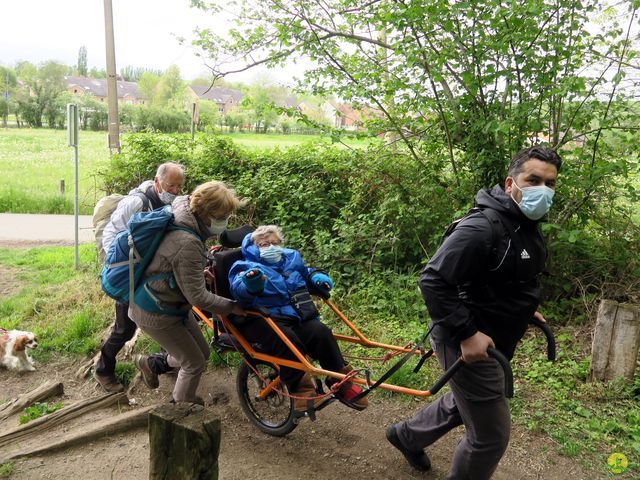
pixel 348 117
pixel 225 98
pixel 127 91
pixel 575 140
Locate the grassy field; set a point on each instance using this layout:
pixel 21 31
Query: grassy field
pixel 35 161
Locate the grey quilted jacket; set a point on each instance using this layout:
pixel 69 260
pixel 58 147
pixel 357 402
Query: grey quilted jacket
pixel 183 254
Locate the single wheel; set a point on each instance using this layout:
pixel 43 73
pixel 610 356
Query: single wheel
pixel 272 414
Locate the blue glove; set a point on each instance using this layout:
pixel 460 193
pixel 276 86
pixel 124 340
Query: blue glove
pixel 322 281
pixel 254 280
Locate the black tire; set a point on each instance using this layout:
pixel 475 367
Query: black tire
pixel 273 415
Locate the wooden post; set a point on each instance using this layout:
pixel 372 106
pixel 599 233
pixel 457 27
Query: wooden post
pixel 615 341
pixel 184 442
pixel 61 187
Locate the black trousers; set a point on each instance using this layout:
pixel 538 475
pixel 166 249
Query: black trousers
pixel 123 330
pixel 312 338
pixel 476 400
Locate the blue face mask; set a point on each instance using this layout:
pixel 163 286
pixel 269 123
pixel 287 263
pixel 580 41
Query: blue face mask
pixel 536 201
pixel 271 254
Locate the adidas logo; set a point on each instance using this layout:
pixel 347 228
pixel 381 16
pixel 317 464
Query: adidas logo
pixel 525 255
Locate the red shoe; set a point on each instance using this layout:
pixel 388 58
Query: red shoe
pixel 348 391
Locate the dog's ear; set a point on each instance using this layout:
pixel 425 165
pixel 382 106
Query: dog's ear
pixel 21 343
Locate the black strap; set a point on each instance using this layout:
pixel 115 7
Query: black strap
pixel 395 367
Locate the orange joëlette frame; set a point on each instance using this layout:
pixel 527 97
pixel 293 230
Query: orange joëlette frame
pixel 302 363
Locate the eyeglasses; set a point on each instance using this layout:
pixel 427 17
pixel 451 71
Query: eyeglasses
pixel 266 243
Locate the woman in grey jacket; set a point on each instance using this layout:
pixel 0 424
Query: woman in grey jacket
pixel 182 252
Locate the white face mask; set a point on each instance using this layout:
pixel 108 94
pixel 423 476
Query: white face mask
pixel 535 202
pixel 166 197
pixel 218 226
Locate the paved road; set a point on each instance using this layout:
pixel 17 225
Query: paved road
pixel 16 227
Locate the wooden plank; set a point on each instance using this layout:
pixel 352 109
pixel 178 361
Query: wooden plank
pixel 121 423
pixel 49 389
pixel 46 422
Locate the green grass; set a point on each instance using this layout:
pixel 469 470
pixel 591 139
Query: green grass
pixel 37 410
pixel 587 421
pixel 6 469
pixel 64 307
pixel 35 161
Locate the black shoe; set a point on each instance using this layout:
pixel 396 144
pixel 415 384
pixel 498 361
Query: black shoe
pixel 417 459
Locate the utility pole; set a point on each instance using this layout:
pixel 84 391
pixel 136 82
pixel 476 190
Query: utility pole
pixel 112 86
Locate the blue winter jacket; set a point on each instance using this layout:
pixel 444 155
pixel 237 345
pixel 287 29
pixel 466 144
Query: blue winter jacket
pixel 288 275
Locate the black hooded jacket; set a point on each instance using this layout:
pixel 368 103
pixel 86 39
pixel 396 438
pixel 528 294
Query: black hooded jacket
pixel 484 278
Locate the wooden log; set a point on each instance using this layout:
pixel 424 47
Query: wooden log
pixel 615 341
pixel 184 442
pixel 120 423
pixel 49 389
pixel 46 422
pixel 85 369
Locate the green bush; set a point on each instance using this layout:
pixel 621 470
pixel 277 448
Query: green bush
pixel 366 212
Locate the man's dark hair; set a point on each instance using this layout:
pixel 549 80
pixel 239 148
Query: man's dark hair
pixel 544 154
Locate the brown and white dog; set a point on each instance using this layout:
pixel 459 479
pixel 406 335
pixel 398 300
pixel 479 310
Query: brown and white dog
pixel 13 350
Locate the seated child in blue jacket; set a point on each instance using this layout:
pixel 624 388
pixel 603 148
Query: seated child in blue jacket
pixel 268 276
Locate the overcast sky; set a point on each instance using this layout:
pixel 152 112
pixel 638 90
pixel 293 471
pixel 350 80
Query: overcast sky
pixel 145 34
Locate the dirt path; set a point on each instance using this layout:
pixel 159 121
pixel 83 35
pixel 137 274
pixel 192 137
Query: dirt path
pixel 341 444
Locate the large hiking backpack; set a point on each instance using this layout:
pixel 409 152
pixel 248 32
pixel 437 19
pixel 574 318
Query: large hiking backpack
pixel 130 254
pixel 102 214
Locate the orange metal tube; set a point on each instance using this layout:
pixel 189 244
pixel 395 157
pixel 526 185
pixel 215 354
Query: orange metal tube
pixel 269 388
pixel 302 363
pixel 362 340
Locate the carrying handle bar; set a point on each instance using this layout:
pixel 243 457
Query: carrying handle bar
pixel 492 352
pixel 551 340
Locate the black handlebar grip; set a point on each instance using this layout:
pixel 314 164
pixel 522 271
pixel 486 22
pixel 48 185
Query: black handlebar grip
pixel 492 352
pixel 508 373
pixel 551 340
pixel 446 376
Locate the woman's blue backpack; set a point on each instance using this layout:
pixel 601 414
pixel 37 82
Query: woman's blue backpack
pixel 132 250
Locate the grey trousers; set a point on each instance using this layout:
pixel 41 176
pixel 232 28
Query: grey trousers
pixel 476 400
pixel 187 349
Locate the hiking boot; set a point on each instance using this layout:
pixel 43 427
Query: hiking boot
pixel 348 391
pixel 416 458
pixel 307 391
pixel 149 377
pixel 109 383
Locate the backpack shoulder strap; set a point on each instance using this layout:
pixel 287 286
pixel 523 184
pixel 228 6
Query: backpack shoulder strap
pixel 496 223
pixel 146 203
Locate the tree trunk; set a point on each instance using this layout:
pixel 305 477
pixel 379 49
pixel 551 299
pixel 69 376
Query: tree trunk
pixel 184 442
pixel 615 341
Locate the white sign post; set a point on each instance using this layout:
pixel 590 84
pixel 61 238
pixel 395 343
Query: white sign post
pixel 72 130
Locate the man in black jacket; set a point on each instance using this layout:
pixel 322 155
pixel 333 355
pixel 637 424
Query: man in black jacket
pixel 481 289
